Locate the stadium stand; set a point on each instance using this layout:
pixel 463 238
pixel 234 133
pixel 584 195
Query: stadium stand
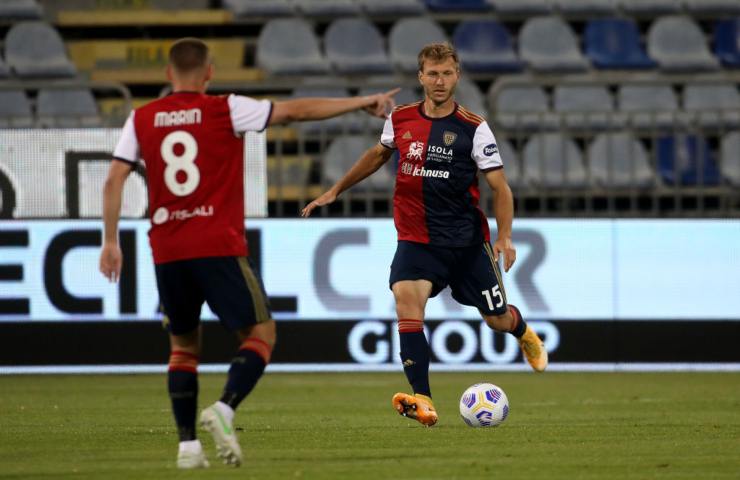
pixel 587 7
pixel 20 10
pixel 289 46
pixel 392 7
pixel 344 152
pixel 320 8
pixel 552 160
pixel 650 7
pixel 730 158
pixel 712 6
pixel 354 46
pixel 686 160
pixel 548 44
pixel 648 105
pixel 521 7
pixel 619 160
pixel 336 125
pixel 485 46
pixel 67 108
pixel 15 109
pixel 677 43
pixel 457 5
pixel 260 8
pixel 585 107
pixel 35 49
pixel 615 43
pixel 408 36
pixel 713 105
pixel 521 107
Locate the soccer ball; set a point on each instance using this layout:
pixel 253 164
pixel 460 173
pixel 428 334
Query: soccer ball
pixel 484 405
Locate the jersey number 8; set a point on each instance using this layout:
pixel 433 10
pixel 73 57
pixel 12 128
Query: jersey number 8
pixel 185 162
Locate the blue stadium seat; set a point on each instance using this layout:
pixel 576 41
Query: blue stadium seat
pixel 548 44
pixel 686 160
pixel 727 42
pixel 485 46
pixel 457 5
pixel 354 45
pixel 289 46
pixel 615 43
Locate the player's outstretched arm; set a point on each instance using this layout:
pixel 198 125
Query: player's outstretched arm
pixel 368 163
pixel 503 203
pixel 111 258
pixel 303 109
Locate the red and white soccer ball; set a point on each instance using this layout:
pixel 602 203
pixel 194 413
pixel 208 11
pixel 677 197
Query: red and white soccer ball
pixel 484 405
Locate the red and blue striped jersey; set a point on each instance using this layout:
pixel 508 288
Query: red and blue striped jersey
pixel 436 194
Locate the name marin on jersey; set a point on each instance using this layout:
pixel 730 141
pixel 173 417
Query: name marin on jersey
pixel 177 117
pixel 163 215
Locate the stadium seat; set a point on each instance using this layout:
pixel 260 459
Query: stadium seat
pixel 344 152
pixel 723 7
pixel 392 7
pixel 713 105
pixel 727 42
pixel 587 7
pixel 585 106
pixel 618 160
pixel 260 8
pixel 289 46
pixel 521 107
pixel 615 43
pixel 554 161
pixel 67 108
pixel 677 43
pixel 730 158
pixel 650 7
pixel 35 49
pixel 521 7
pixel 15 109
pixel 512 163
pixel 327 8
pixel 4 70
pixel 686 160
pixel 457 5
pixel 648 106
pixel 344 123
pixel 469 96
pixel 20 10
pixel 408 36
pixel 354 45
pixel 485 46
pixel 548 44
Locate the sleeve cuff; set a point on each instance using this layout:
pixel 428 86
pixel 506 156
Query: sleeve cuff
pixel 386 146
pixel 490 169
pixel 269 116
pixel 126 160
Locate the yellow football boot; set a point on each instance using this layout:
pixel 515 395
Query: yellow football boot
pixel 419 407
pixel 534 350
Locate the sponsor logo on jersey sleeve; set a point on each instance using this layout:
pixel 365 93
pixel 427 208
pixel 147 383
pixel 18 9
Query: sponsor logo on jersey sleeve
pixel 490 149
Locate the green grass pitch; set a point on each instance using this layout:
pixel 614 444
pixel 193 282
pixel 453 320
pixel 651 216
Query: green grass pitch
pixel 341 426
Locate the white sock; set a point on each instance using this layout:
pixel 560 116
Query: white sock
pixel 225 410
pixel 191 446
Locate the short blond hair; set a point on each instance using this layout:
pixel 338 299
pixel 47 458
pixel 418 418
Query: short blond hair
pixel 437 52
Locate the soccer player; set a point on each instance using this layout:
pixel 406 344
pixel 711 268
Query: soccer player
pixel 443 236
pixel 193 149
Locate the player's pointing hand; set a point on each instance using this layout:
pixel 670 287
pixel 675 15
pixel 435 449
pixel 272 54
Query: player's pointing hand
pixel 382 103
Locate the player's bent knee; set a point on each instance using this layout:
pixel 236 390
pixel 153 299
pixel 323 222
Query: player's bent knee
pixel 500 323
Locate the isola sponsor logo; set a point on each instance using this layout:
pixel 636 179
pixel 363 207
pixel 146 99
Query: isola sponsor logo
pixel 163 215
pixel 490 149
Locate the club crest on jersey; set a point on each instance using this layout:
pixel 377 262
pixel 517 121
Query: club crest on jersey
pixel 449 138
pixel 416 149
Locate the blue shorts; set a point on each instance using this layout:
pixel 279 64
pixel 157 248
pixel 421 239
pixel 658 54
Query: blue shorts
pixel 230 285
pixel 471 273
